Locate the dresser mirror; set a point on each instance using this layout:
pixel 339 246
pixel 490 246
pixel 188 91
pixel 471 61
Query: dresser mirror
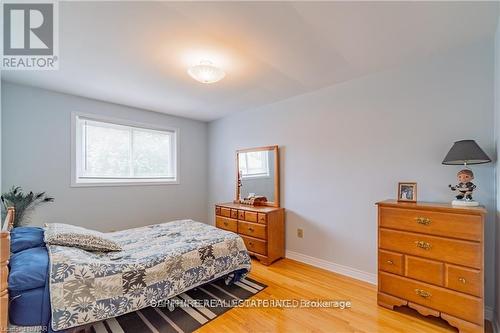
pixel 257 180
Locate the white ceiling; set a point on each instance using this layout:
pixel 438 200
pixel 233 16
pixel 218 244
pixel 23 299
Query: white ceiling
pixel 137 53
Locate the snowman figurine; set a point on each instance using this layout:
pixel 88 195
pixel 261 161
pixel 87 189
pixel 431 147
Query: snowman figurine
pixel 465 187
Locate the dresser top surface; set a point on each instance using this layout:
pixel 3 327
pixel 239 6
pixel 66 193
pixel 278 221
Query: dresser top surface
pixel 434 206
pixel 262 209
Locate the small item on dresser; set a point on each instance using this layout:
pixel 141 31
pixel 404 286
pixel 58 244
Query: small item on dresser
pixel 240 184
pixel 465 187
pixel 465 152
pixel 254 201
pixel 407 192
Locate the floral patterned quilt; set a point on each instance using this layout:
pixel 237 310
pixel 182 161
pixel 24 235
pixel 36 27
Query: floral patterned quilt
pixel 157 262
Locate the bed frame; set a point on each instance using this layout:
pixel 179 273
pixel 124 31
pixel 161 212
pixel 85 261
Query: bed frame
pixel 4 270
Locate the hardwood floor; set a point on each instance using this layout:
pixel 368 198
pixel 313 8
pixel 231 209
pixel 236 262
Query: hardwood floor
pixel 289 279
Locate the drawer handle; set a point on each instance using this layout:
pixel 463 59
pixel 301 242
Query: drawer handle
pixel 423 293
pixel 462 280
pixel 250 243
pixel 225 223
pixel 250 229
pixel 423 220
pixel 423 245
pixel 390 262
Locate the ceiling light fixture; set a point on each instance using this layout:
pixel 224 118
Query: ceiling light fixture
pixel 206 72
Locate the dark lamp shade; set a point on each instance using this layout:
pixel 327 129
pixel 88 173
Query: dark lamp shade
pixel 466 152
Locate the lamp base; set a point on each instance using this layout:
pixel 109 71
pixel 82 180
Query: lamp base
pixel 465 203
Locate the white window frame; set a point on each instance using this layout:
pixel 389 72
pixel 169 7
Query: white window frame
pixel 76 154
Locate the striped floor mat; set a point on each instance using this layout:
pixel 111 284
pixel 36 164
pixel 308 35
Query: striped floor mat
pixel 194 309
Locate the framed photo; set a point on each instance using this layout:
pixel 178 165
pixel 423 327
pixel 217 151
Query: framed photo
pixel 407 192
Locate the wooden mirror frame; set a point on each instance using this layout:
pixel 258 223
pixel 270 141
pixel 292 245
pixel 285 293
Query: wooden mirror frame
pixel 275 149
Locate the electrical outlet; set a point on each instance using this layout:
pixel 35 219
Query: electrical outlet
pixel 300 233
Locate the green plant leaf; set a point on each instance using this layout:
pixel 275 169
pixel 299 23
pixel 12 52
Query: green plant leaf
pixel 23 203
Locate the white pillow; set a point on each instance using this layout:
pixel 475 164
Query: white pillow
pixel 71 235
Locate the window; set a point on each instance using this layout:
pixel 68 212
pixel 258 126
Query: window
pixel 114 152
pixel 254 164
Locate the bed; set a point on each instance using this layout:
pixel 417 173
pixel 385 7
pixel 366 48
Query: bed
pixel 70 287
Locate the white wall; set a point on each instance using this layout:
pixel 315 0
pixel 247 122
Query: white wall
pixel 36 155
pixel 345 147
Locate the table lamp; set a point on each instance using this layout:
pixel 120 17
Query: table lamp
pixel 465 152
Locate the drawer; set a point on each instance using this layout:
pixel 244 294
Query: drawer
pixel 441 224
pixel 252 229
pixel 390 262
pixel 217 210
pixel 464 279
pixel 255 245
pixel 234 214
pixel 424 270
pixel 448 301
pixel 251 216
pixel 443 249
pixel 226 212
pixel 226 223
pixel 262 218
pixel 241 215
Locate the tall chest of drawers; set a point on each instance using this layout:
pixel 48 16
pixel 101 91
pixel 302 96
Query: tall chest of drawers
pixel 430 258
pixel 262 228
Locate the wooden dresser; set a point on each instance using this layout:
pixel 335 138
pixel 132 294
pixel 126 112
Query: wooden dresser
pixel 430 258
pixel 262 228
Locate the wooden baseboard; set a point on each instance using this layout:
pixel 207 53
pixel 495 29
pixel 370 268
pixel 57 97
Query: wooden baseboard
pixel 333 267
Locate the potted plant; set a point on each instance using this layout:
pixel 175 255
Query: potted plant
pixel 23 203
